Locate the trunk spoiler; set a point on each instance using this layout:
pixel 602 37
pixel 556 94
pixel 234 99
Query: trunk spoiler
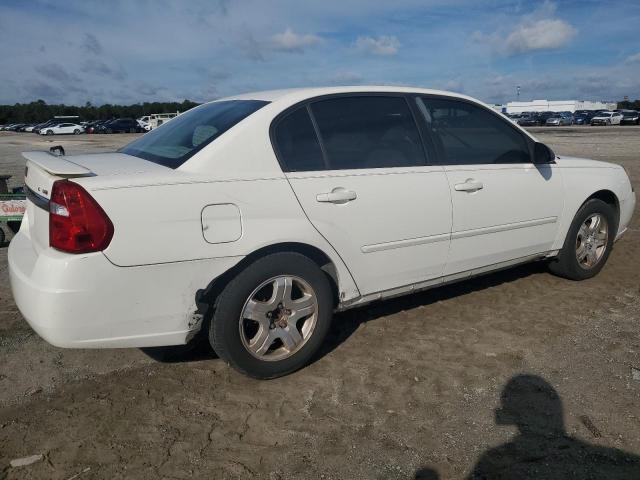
pixel 57 164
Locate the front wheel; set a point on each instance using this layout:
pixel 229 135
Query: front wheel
pixel 49 132
pixel 588 242
pixel 273 316
pixel 76 132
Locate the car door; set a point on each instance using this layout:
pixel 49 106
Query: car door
pixel 505 207
pixel 358 167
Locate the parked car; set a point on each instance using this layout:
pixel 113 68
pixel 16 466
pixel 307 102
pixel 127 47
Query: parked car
pixel 92 127
pixel 251 220
pixel 154 120
pixel 48 123
pixel 543 116
pixel 607 118
pixel 120 125
pixel 560 119
pixel 581 119
pixel 630 117
pixel 528 121
pixel 62 129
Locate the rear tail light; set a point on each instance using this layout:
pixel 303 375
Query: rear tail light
pixel 77 224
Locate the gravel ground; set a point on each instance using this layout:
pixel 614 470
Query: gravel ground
pixel 403 389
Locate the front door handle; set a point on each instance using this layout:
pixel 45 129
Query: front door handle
pixel 470 185
pixel 337 195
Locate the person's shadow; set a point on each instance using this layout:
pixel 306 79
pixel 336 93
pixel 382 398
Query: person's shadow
pixel 542 449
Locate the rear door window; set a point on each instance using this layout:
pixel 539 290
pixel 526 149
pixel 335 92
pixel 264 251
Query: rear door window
pixel 363 132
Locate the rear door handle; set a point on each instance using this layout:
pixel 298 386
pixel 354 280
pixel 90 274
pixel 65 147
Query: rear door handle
pixel 337 195
pixel 470 185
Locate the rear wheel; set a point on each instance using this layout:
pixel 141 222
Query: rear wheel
pixel 109 130
pixel 588 243
pixel 273 316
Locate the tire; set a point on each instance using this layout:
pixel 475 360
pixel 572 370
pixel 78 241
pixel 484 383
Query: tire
pixel 132 130
pixel 76 132
pixel 566 264
pixel 49 132
pixel 228 332
pixel 3 237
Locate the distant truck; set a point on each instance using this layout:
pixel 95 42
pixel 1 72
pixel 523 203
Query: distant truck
pixel 154 120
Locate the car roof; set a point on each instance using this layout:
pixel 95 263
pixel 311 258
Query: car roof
pixel 294 95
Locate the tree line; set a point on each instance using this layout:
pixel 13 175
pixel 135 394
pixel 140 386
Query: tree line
pixel 628 105
pixel 40 111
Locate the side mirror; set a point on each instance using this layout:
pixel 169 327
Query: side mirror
pixel 543 154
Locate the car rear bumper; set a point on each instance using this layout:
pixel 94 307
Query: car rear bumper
pixel 84 301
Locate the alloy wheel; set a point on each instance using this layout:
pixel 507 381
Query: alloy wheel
pixel 278 318
pixel 592 240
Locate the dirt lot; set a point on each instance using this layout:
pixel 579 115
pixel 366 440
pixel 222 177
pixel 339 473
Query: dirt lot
pixel 404 389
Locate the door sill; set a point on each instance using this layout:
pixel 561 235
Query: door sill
pixel 440 281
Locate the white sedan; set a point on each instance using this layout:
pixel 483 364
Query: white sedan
pixel 63 128
pixel 250 220
pixel 607 118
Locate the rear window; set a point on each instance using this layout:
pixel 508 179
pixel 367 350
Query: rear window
pixel 178 140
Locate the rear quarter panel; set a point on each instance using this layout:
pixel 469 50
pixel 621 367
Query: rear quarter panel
pixel 163 223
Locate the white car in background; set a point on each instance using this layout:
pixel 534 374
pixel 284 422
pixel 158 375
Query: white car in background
pixel 607 118
pixel 63 128
pixel 250 220
pixel 144 125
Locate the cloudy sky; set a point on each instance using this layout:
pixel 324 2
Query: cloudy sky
pixel 122 51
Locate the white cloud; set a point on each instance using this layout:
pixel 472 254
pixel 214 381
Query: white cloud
pixel 382 45
pixel 537 30
pixel 539 35
pixel 635 58
pixel 289 41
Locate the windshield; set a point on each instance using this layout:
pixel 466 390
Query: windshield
pixel 630 114
pixel 603 114
pixel 176 141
